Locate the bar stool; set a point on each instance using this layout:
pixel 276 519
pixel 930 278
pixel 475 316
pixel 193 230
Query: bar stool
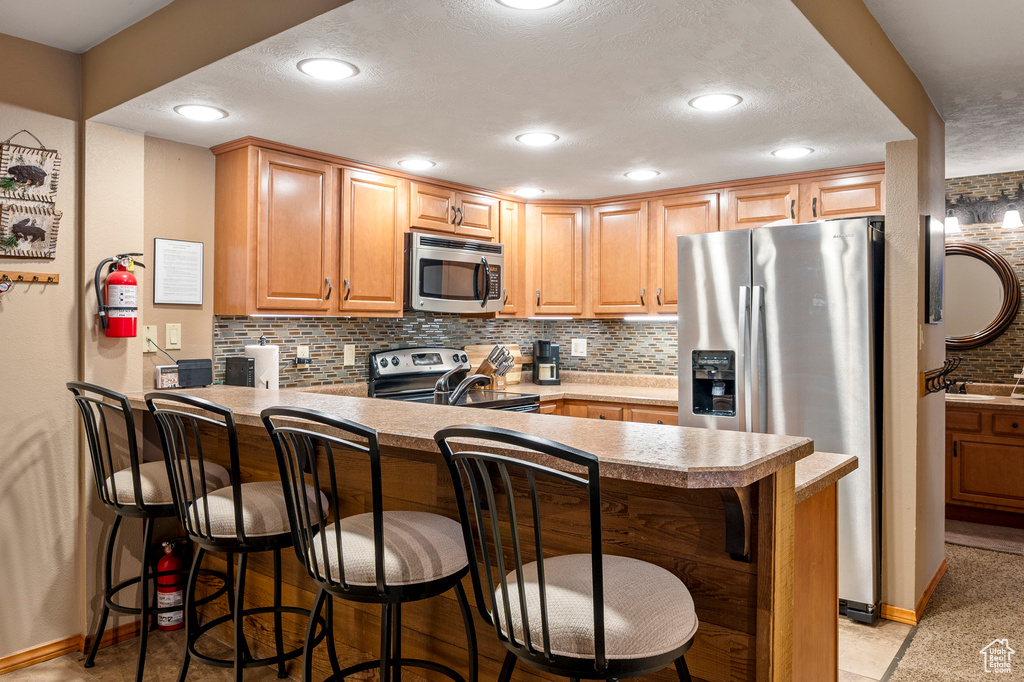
pixel 584 616
pixel 382 557
pixel 132 489
pixel 237 518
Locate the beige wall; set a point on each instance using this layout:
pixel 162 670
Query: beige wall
pixel 40 469
pixel 179 189
pixel 40 78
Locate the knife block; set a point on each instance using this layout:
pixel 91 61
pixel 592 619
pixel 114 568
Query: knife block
pixel 498 383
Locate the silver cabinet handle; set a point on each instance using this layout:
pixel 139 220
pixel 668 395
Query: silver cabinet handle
pixel 348 289
pixel 505 292
pixel 642 292
pixel 329 290
pixel 792 209
pixel 658 295
pixel 462 215
pixel 814 207
pixel 455 214
pixel 538 296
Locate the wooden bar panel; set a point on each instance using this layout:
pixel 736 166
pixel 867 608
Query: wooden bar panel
pixel 815 570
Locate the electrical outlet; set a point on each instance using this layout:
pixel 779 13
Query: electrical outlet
pixel 350 354
pixel 302 352
pixel 579 348
pixel 173 337
pixel 148 334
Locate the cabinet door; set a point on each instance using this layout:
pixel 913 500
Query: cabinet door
pixel 757 206
pixel 609 412
pixel 619 247
pixel 477 216
pixel 674 216
pixel 654 415
pixel 373 210
pixel 987 472
pixel 554 259
pixel 431 208
pixel 846 198
pixel 513 236
pixel 296 233
pixel 548 408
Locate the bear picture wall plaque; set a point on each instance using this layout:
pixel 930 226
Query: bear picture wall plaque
pixel 28 173
pixel 28 231
pixel 28 189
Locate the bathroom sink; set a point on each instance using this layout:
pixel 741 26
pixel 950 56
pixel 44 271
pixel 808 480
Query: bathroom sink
pixel 968 397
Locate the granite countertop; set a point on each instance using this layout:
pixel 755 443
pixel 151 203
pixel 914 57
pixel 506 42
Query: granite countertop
pixel 819 471
pixel 647 453
pixel 990 396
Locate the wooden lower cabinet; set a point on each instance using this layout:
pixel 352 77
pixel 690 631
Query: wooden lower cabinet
pixel 985 459
pixel 654 415
pixel 612 411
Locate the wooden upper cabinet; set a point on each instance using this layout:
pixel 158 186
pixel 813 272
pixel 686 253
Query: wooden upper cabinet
pixel 674 216
pixel 618 234
pixel 554 259
pixel 850 197
pixel 295 233
pixel 431 208
pixel 513 235
pixel 757 206
pixel 373 214
pixel 477 216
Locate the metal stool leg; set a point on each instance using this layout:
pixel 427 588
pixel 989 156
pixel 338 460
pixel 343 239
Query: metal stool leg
pixel 385 641
pixel 507 667
pixel 307 653
pixel 467 619
pixel 682 670
pixel 332 651
pixel 191 617
pixel 278 635
pixel 396 672
pixel 105 612
pixel 147 534
pixel 240 645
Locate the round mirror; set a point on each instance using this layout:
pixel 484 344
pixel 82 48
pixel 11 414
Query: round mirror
pixel 982 295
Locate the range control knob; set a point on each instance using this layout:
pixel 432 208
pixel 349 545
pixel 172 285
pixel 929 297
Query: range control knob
pixel 465 358
pixel 455 358
pixel 394 361
pixel 383 362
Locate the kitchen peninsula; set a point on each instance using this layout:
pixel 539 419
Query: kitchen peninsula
pixel 714 507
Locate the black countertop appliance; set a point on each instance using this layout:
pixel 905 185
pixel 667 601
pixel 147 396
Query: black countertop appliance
pixel 547 368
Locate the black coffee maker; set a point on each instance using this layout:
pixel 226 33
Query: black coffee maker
pixel 546 365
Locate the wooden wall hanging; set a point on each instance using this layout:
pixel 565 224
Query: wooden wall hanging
pixel 28 188
pixel 28 231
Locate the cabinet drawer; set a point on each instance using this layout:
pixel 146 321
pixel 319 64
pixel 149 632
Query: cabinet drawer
pixel 1008 424
pixel 963 420
pixel 604 412
pixel 988 473
pixel 548 408
pixel 652 415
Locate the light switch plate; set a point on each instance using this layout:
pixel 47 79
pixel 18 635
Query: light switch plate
pixel 579 348
pixel 302 352
pixel 148 334
pixel 350 354
pixel 173 337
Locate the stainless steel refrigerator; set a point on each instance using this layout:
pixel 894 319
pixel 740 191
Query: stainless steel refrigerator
pixel 780 331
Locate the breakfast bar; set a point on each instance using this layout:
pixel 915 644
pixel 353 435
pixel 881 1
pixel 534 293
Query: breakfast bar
pixel 716 508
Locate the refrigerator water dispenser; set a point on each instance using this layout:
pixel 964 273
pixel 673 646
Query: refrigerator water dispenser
pixel 714 382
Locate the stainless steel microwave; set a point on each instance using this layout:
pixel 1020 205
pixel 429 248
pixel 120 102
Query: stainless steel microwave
pixel 450 275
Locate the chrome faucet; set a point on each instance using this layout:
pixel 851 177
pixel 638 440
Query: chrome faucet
pixel 444 395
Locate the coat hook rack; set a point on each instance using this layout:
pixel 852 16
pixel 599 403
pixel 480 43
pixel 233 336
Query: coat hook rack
pixel 30 277
pixel 937 380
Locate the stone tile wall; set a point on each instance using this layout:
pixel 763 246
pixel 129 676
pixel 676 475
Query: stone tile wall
pixel 612 345
pixel 998 361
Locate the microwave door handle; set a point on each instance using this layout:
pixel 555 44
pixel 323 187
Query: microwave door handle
pixel 487 282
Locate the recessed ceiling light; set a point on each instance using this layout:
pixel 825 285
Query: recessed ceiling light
pixel 529 192
pixel 792 152
pixel 200 112
pixel 416 164
pixel 327 69
pixel 537 139
pixel 529 4
pixel 718 102
pixel 642 174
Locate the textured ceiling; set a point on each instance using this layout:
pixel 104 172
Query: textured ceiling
pixel 73 25
pixel 456 80
pixel 968 56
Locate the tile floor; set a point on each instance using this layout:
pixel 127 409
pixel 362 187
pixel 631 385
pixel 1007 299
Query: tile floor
pixel 866 652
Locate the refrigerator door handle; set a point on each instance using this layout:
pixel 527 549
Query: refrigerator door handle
pixel 742 359
pixel 758 361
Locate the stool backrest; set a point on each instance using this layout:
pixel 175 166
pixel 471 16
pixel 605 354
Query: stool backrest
pixel 503 499
pixel 304 440
pixel 110 434
pixel 190 430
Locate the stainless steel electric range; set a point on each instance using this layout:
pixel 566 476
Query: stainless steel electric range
pixel 409 374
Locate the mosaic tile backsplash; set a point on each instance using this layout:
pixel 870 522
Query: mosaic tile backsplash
pixel 998 361
pixel 612 345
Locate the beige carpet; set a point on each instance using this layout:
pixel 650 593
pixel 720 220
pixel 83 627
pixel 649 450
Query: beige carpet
pixel 976 602
pixel 995 538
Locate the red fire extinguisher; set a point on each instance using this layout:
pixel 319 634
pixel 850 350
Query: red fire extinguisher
pixel 170 589
pixel 119 297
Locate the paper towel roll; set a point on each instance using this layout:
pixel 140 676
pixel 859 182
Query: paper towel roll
pixel 267 368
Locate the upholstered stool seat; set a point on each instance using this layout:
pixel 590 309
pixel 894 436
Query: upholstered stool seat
pixel 418 547
pixel 264 511
pixel 154 485
pixel 647 610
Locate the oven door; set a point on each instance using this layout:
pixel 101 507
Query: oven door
pixel 455 276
